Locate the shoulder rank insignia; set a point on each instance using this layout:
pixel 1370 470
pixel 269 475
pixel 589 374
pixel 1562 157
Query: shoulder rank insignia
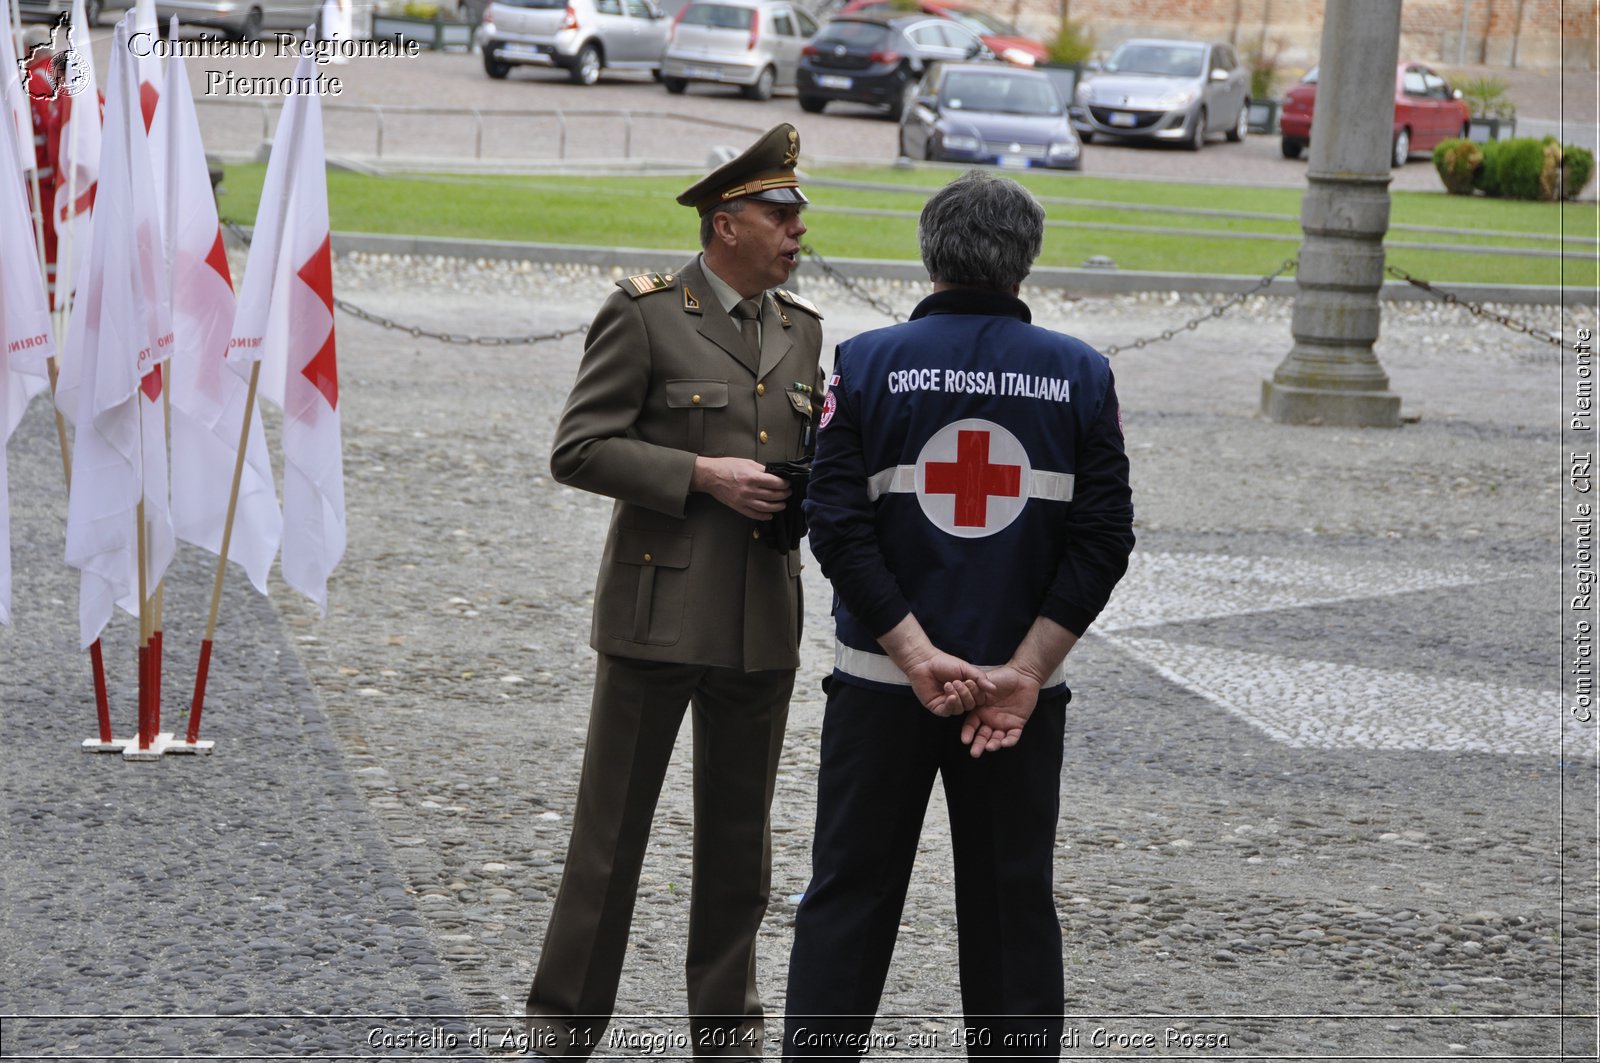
pixel 794 300
pixel 646 283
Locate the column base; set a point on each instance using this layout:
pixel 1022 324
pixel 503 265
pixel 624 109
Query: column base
pixel 1328 406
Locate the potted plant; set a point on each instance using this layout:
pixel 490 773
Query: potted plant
pixel 1069 51
pixel 1494 116
pixel 423 21
pixel 1263 61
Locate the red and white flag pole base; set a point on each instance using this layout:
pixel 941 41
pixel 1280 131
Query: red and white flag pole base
pixel 163 744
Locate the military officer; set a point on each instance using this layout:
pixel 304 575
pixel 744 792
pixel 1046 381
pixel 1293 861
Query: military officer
pixel 691 384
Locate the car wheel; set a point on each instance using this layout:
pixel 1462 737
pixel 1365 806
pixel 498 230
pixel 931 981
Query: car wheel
pixel 1241 127
pixel 1291 148
pixel 586 70
pixel 762 89
pixel 1402 148
pixel 493 66
pixel 1085 136
pixel 1197 137
pixel 812 104
pixel 250 28
pixel 675 85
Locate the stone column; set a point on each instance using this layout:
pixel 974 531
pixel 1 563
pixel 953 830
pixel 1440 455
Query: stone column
pixel 1330 375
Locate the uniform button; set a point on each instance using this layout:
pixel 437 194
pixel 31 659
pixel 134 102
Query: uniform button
pixel 761 389
pixel 695 399
pixel 756 534
pixel 763 437
pixel 647 557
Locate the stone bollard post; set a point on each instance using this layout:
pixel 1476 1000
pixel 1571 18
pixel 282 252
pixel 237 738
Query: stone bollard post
pixel 1331 375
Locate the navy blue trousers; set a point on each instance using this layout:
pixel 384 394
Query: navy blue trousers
pixel 880 753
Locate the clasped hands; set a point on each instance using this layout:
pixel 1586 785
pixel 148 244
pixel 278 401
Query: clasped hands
pixel 996 703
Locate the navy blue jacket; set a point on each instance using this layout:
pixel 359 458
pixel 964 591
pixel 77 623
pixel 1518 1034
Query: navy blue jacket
pixel 969 469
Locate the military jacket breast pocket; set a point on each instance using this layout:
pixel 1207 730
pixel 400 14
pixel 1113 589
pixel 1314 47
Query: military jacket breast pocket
pixel 694 398
pixel 647 586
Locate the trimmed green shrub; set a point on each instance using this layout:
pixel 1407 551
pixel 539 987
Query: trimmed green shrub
pixel 1577 166
pixel 1523 168
pixel 1513 169
pixel 1458 162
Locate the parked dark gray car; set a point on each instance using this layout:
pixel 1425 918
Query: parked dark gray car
pixel 1168 90
pixel 989 113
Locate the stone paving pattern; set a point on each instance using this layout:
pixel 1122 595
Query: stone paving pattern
pixel 1316 800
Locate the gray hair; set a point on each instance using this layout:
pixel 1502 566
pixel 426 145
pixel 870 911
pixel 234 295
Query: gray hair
pixel 707 225
pixel 981 231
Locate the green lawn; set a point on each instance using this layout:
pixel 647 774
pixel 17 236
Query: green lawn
pixel 847 221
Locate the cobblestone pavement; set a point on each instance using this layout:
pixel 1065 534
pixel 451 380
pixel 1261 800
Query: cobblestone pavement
pixel 1317 800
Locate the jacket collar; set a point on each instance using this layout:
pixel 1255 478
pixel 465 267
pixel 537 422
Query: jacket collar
pixel 973 301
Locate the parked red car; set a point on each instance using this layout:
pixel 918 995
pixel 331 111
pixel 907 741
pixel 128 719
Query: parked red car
pixel 1426 111
pixel 1003 39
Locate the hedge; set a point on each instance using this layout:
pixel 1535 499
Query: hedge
pixel 1523 168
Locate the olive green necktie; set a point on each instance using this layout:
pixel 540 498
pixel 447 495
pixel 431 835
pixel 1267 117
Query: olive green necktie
pixel 749 315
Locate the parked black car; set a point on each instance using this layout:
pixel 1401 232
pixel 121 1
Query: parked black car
pixel 867 59
pixel 990 113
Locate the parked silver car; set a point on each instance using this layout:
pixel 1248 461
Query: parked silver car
pixel 1165 90
pixel 754 44
pixel 580 36
pixel 244 19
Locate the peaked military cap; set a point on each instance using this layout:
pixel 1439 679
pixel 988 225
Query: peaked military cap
pixel 765 171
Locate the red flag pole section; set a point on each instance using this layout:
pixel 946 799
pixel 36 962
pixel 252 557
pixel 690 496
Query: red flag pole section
pixel 102 704
pixel 203 671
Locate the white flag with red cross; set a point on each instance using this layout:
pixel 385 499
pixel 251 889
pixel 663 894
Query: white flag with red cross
pixel 285 321
pixel 146 61
pixel 111 384
pixel 77 178
pixel 208 402
pixel 13 97
pixel 26 339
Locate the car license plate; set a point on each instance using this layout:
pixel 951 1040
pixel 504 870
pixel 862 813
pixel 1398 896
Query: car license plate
pixel 522 51
pixel 1123 118
pixel 1019 162
pixel 704 73
pixel 833 81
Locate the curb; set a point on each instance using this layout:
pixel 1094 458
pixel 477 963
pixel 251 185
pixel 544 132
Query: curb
pixel 1085 281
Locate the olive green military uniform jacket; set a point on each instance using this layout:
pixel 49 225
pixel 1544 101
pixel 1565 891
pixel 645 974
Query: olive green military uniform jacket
pixel 666 376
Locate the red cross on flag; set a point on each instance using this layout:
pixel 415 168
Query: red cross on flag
pixel 285 321
pixel 973 478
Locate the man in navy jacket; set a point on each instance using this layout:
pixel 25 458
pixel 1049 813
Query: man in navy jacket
pixel 970 504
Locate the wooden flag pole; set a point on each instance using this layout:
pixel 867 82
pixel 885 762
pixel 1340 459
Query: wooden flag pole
pixel 202 671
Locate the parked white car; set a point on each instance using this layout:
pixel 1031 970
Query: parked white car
pixel 754 44
pixel 580 36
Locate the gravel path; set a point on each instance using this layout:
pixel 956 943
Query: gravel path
pixel 1315 801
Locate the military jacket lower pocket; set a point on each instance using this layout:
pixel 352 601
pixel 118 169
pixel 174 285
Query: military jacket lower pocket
pixel 646 586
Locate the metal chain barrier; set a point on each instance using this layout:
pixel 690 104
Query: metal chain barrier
pixel 854 288
pixel 1474 308
pixel 851 285
pixel 1215 312
pixel 417 331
